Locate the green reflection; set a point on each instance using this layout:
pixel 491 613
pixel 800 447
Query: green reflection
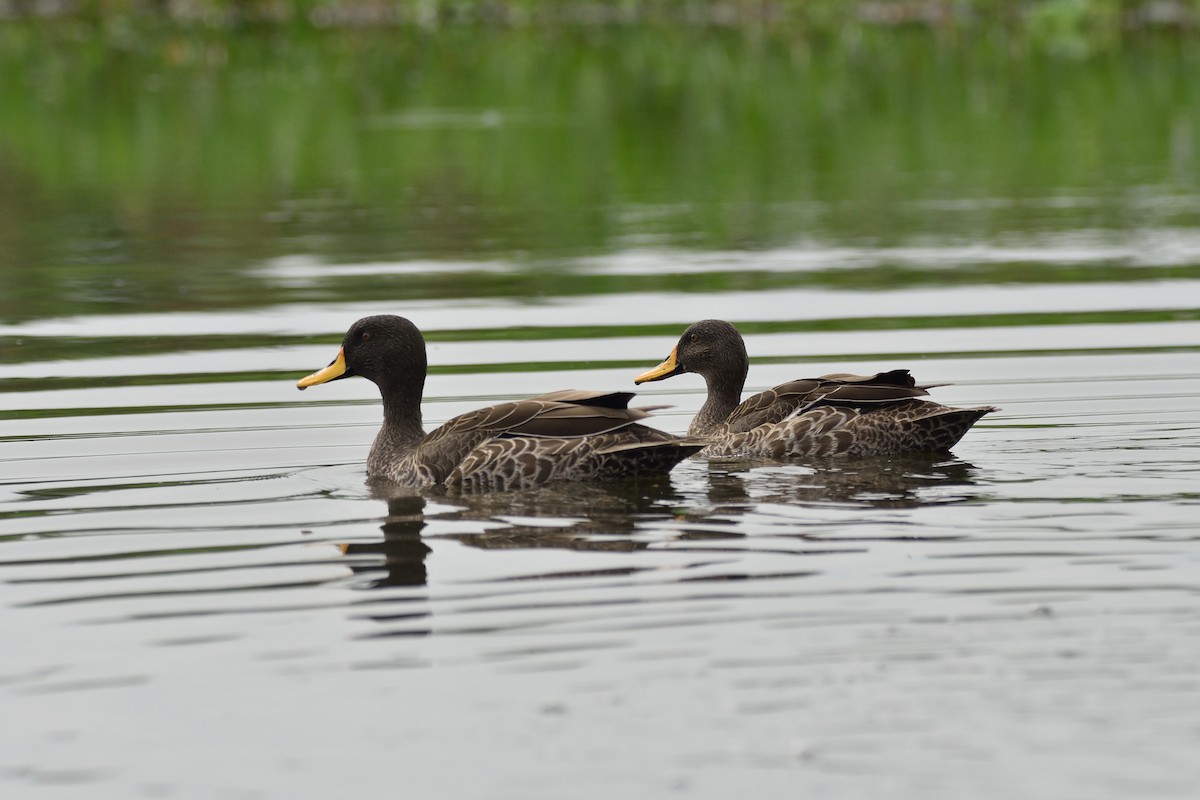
pixel 154 174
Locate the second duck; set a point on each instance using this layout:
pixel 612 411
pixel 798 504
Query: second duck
pixel 861 415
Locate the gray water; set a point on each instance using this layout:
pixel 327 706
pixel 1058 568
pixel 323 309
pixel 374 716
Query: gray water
pixel 203 598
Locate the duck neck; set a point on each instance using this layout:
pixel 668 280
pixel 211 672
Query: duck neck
pixel 402 428
pixel 724 394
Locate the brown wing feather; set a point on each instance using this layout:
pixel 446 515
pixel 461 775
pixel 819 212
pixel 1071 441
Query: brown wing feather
pixel 521 462
pixel 496 440
pixel 567 420
pixel 777 404
pixel 900 378
pixel 585 398
pixel 904 425
pixel 771 406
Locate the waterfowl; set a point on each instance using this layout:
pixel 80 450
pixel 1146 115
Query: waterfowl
pixel 879 414
pixel 567 435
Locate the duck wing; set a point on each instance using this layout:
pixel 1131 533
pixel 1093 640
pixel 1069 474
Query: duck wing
pixel 839 389
pixel 541 438
pixel 901 426
pixel 523 462
pixel 543 416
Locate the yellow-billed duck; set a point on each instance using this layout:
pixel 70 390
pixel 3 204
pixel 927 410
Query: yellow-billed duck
pixel 879 414
pixel 567 435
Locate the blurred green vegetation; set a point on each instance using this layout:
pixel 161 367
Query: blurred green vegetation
pixel 149 159
pixel 1048 21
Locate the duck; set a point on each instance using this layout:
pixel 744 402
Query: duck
pixel 569 435
pixel 859 415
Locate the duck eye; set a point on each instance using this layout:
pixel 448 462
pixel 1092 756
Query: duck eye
pixel 693 337
pixel 366 337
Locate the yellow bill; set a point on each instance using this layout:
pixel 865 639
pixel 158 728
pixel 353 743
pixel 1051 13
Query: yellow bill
pixel 664 370
pixel 335 370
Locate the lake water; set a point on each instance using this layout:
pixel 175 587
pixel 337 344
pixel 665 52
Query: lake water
pixel 203 598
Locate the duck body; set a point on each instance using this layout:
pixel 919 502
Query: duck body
pixel 567 435
pixel 526 443
pixel 859 415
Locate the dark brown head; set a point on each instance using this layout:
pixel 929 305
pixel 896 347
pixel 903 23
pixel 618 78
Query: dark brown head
pixel 711 348
pixel 387 350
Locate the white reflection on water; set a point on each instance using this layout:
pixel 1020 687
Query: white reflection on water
pixel 1147 247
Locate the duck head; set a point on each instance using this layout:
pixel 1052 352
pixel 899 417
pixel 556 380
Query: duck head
pixel 385 349
pixel 711 348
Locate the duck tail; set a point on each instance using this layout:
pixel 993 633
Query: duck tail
pixel 942 429
pixel 647 458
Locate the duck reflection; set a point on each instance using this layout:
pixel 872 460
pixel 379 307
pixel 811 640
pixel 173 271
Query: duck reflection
pixel 402 549
pixel 608 516
pixel 600 516
pixel 900 481
pixel 571 516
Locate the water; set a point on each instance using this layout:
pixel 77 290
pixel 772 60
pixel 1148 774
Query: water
pixel 202 597
pixel 195 572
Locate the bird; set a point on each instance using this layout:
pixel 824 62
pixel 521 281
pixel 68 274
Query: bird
pixel 565 435
pixel 859 415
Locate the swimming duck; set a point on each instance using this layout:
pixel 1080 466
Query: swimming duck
pixel 567 435
pixel 862 415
